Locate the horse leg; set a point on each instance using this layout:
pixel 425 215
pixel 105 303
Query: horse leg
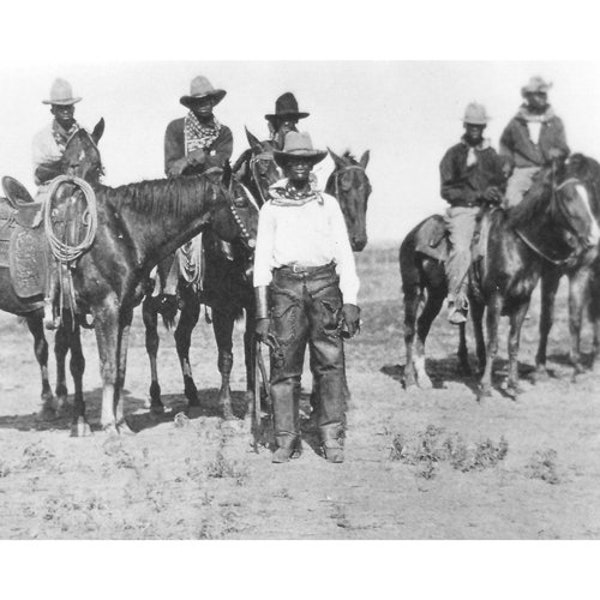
pixel 188 318
pixel 79 425
pixel 578 298
pixel 107 337
pixel 477 309
pixel 431 310
pixel 40 348
pixel 223 328
pixel 550 280
pixel 61 347
pixel 150 318
pixel 411 307
pixel 494 308
pixel 463 352
pixel 123 343
pixel 249 352
pixel 514 338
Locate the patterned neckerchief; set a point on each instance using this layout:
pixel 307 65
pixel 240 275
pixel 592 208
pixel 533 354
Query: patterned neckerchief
pixel 524 114
pixel 282 193
pixel 198 135
pixel 61 135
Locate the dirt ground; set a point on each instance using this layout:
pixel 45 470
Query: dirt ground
pixel 419 464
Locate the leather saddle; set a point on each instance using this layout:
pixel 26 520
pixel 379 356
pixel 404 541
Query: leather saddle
pixel 23 245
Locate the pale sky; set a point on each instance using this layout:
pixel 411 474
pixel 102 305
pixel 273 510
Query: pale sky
pixel 407 113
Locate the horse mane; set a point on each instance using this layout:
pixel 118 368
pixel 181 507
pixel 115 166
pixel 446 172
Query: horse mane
pixel 158 197
pixel 534 202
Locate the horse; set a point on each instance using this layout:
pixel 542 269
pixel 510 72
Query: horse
pixel 227 289
pixel 579 270
pixel 350 185
pixel 517 243
pixel 31 308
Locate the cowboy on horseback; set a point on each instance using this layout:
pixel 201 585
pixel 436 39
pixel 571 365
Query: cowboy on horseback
pixel 48 149
pixel 306 291
pixel 534 138
pixel 194 144
pixel 472 175
pixel 284 119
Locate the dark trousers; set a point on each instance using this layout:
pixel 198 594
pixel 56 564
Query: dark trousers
pixel 306 307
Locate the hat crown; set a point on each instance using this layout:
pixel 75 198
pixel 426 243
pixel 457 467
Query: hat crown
pixel 475 114
pixel 297 142
pixel 286 103
pixel 536 84
pixel 61 92
pixel 201 86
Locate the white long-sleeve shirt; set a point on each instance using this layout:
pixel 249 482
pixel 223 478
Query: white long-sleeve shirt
pixel 308 235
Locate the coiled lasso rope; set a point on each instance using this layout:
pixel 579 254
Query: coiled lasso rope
pixel 63 252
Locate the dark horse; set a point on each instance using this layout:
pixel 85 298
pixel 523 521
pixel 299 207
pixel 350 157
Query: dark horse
pixel 67 335
pixel 517 244
pixel 138 225
pixel 579 269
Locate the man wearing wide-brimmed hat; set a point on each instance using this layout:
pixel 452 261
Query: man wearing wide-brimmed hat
pixel 197 141
pixel 306 292
pixel 471 174
pixel 534 137
pixel 49 143
pixel 284 119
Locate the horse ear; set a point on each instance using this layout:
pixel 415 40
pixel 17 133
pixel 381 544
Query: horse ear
pixel 364 159
pixel 226 177
pixel 339 163
pixel 253 141
pixel 98 131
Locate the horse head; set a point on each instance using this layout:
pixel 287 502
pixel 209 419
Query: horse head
pixel 350 184
pixel 81 157
pixel 262 171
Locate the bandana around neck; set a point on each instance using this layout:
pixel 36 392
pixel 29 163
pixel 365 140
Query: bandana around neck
pixel 284 194
pixel 524 114
pixel 61 135
pixel 472 153
pixel 198 135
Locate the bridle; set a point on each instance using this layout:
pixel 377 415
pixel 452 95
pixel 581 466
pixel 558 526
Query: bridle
pixel 339 172
pixel 263 156
pixel 245 234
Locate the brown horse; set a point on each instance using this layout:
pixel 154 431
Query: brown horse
pixel 226 288
pixel 579 270
pixel 519 242
pixel 67 335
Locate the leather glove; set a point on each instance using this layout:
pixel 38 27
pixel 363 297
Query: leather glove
pixel 178 167
pixel 261 330
pixel 492 194
pixel 350 320
pixel 196 157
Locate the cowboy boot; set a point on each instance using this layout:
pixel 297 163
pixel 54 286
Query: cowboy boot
pixel 332 436
pixel 288 446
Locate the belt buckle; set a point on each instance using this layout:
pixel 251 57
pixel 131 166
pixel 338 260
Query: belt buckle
pixel 297 269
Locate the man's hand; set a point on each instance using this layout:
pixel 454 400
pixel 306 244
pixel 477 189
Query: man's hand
pixel 178 167
pixel 492 194
pixel 196 157
pixel 556 154
pixel 261 330
pixel 351 320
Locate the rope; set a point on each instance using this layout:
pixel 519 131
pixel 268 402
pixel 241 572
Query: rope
pixel 63 252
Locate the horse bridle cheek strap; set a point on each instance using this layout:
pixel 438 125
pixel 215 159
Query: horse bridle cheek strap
pixel 253 161
pixel 244 232
pixel 341 171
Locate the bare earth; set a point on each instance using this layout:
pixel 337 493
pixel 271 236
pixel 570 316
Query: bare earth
pixel 419 464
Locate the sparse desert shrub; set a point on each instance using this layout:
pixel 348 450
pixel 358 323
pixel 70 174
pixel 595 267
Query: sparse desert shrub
pixel 542 465
pixel 4 469
pixel 35 455
pixel 427 449
pixel 221 467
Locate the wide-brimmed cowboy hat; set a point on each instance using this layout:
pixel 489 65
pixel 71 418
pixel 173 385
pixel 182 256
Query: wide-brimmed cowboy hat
pixel 298 145
pixel 61 93
pixel 475 114
pixel 286 106
pixel 201 87
pixel 535 85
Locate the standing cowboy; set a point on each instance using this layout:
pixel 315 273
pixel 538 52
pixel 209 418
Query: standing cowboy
pixel 534 137
pixel 48 148
pixel 194 144
pixel 306 291
pixel 471 174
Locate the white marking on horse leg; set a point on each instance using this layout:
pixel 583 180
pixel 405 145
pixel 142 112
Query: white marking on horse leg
pixel 108 397
pixel 423 380
pixel 594 236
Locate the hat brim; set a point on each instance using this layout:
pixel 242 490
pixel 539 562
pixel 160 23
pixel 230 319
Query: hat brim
pixel 66 102
pixel 287 115
pixel 216 95
pixel 474 122
pixel 313 156
pixel 542 89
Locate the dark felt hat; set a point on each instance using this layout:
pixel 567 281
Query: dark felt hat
pixel 286 106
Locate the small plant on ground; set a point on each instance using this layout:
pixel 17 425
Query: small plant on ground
pixel 542 465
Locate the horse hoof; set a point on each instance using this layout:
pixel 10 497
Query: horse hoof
pixel 484 391
pixel 228 413
pixel 193 411
pixel 124 429
pixel 48 413
pixel 541 374
pixel 157 410
pixel 424 383
pixel 81 428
